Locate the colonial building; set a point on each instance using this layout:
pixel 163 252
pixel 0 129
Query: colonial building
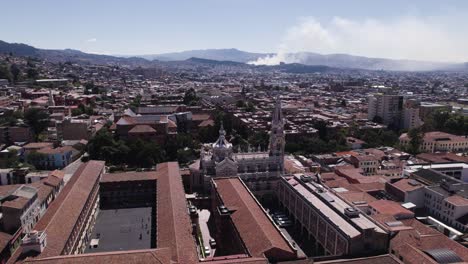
pixel 260 170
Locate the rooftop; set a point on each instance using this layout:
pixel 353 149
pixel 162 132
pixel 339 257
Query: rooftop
pixel 247 216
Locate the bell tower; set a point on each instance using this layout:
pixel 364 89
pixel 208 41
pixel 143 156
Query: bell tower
pixel 277 138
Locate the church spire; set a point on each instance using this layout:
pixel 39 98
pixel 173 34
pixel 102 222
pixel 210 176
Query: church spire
pixel 222 132
pixel 277 138
pixel 277 112
pixel 51 99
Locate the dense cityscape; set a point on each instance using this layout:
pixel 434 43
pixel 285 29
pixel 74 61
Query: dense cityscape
pixel 208 159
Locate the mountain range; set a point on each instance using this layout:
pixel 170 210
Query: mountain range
pixel 310 58
pixel 230 56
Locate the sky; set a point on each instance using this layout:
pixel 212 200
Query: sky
pixel 399 29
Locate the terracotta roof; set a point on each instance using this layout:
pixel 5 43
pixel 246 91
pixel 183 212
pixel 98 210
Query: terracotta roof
pixel 172 212
pixel 457 200
pixel 171 123
pixel 441 157
pixel 59 150
pixel 17 203
pixel 128 176
pixel 136 256
pixel 61 225
pixel 384 259
pixel 53 181
pixel 4 240
pixel 410 244
pixel 43 190
pixel 407 185
pixel 357 197
pixel 199 117
pixel 257 231
pixel 391 208
pixel 58 173
pixel 206 123
pixel 142 129
pixel 38 145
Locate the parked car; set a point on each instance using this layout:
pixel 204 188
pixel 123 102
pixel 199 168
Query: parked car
pixel 206 250
pixel 284 223
pixel 279 214
pixel 193 210
pixel 281 218
pixel 212 243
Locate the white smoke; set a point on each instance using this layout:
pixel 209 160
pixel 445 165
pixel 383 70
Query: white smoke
pixel 416 38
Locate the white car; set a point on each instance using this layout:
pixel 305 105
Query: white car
pixel 206 250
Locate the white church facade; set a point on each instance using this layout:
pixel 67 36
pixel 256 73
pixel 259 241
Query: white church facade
pixel 259 170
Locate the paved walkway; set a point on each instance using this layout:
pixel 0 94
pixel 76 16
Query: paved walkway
pixel 203 217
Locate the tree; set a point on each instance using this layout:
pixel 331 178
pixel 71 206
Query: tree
pixel 32 73
pixel 37 119
pixel 343 103
pixel 5 73
pixel 321 126
pixel 377 119
pixel 415 136
pixel 259 139
pixel 190 97
pixel 136 102
pixel 88 87
pixel 240 104
pixel 15 72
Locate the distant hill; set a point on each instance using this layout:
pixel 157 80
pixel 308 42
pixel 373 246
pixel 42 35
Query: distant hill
pixel 18 49
pixel 68 55
pixel 295 62
pixel 310 58
pixel 209 54
pixel 360 62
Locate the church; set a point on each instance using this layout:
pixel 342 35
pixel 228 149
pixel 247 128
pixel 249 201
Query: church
pixel 259 170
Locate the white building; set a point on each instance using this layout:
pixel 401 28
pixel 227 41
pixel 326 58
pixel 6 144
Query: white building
pixel 439 141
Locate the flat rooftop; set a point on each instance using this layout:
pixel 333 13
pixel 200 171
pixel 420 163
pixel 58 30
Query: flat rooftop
pixel 120 229
pixel 333 207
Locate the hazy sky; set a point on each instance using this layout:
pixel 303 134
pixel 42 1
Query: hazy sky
pixel 419 29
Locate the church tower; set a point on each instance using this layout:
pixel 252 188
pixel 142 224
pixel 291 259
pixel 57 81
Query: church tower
pixel 277 138
pixel 51 101
pixel 222 148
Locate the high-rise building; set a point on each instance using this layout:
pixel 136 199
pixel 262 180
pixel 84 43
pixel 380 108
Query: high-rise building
pixel 411 115
pixel 386 106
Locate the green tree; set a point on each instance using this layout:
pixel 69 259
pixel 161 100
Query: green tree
pixel 5 73
pixel 32 73
pixel 343 103
pixel 15 72
pixel 37 119
pixel 377 119
pixel 190 97
pixel 415 136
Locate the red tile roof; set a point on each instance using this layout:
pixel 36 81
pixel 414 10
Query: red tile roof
pixel 392 208
pixel 405 186
pixel 161 256
pixel 142 129
pixel 129 176
pixel 61 225
pixel 411 244
pixel 457 200
pixel 255 228
pixel 172 213
pixel 4 240
pixel 384 259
